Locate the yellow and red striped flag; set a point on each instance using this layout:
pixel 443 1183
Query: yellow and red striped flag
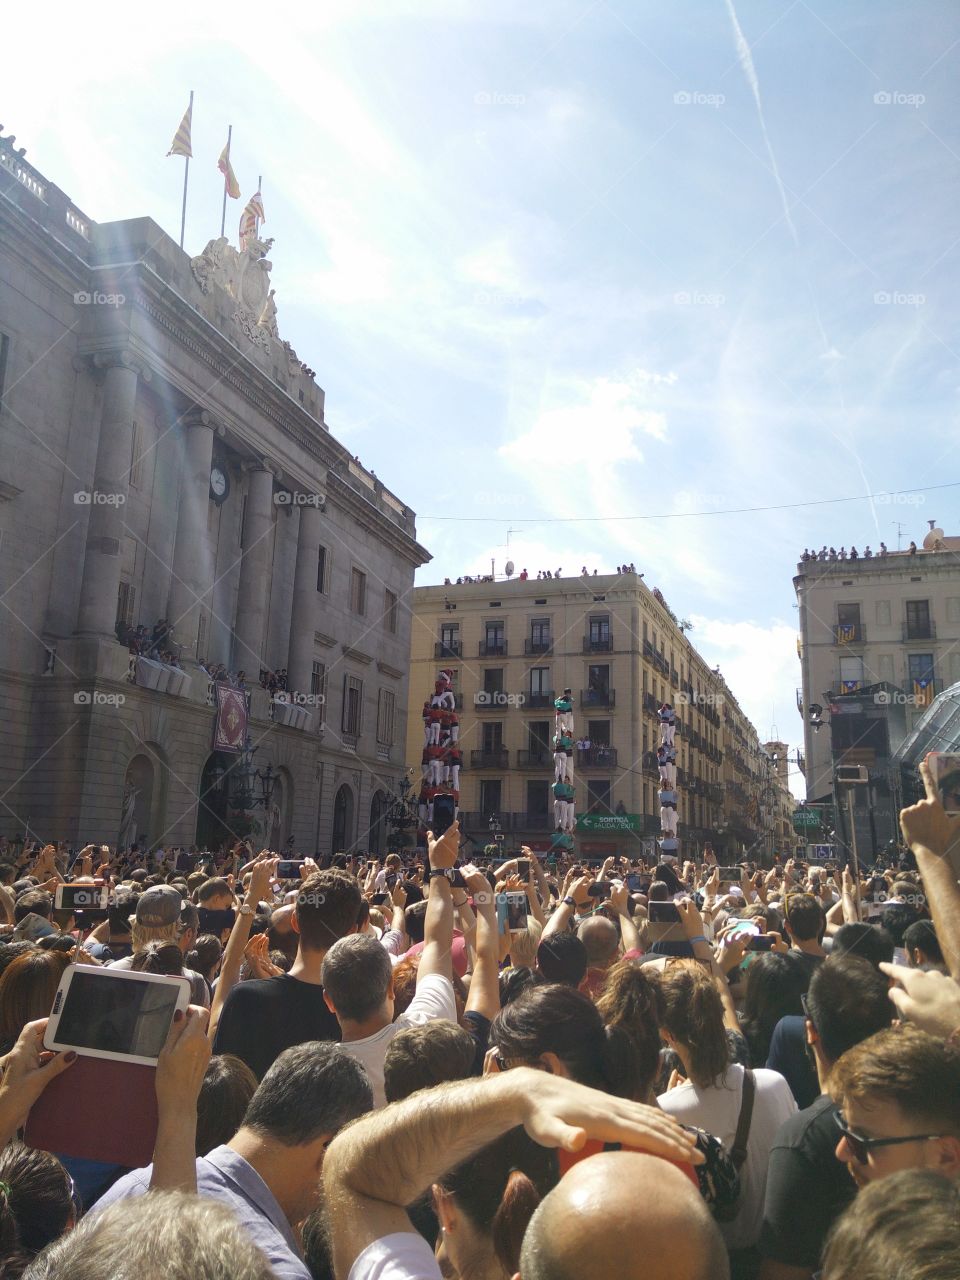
pixel 252 214
pixel 231 184
pixel 181 142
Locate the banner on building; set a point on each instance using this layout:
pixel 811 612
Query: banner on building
pixel 230 729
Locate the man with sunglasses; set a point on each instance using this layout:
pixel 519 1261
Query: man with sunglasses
pixel 899 1100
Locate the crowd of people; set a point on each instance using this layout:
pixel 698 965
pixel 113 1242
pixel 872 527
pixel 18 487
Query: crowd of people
pixel 155 643
pixel 542 575
pixel 831 553
pixel 679 1070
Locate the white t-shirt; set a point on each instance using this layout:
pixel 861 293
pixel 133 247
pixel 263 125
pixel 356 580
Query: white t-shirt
pixel 434 999
pixel 403 1256
pixel 717 1110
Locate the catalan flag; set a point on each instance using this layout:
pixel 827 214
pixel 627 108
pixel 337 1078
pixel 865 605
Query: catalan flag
pixel 249 219
pixel 923 691
pixel 181 142
pixel 231 185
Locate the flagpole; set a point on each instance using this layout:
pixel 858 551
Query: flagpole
pixel 259 193
pixel 223 216
pixel 186 175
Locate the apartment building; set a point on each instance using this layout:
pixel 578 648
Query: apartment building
pixel 878 642
pixel 512 645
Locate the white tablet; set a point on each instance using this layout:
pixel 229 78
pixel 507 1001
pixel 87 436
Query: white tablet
pixel 114 1013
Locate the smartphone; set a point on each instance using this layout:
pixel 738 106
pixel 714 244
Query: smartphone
pixel 599 890
pixel 729 875
pixel 444 813
pixel 517 908
pixel 523 868
pixel 663 913
pixel 392 878
pixel 216 921
pixel 945 767
pixel 114 1013
pixel 289 868
pixel 380 900
pixel 761 942
pixel 636 882
pixel 187 861
pixel 81 897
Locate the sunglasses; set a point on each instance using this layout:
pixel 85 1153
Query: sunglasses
pixel 861 1146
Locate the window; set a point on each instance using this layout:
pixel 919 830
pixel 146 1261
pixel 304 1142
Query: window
pixel 538 799
pixel 538 737
pixel 539 635
pixel 953 608
pixel 491 790
pixel 851 674
pixel 449 639
pixel 539 680
pixel 493 736
pixel 493 679
pixel 598 731
pixel 918 620
pixel 358 591
pixel 136 456
pixel 598 795
pixel 919 671
pixel 390 610
pixel 4 353
pixel 598 682
pixel 352 717
pixel 126 603
pixel 848 621
pixel 493 639
pixel 600 631
pixel 318 680
pixel 322 583
pixel 386 715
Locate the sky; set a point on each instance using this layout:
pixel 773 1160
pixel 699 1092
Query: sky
pixel 581 280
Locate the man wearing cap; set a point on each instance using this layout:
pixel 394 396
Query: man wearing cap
pixel 163 916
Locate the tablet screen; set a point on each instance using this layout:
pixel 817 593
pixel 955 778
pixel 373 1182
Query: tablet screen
pixel 117 1015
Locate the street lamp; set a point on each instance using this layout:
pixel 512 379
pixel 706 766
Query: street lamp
pixel 401 815
pixel 244 781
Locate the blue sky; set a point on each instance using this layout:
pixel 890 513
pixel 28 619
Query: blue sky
pixel 592 259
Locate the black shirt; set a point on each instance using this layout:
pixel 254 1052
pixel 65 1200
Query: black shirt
pixel 788 1055
pixel 807 1187
pixel 264 1016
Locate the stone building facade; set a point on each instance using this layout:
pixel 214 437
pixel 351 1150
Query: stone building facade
pixel 165 455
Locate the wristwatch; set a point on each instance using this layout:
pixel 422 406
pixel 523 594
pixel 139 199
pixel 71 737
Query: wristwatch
pixel 247 910
pixel 447 873
pixel 569 902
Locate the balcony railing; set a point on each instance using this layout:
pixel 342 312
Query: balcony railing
pixel 536 701
pixel 494 758
pixel 598 644
pixel 493 648
pixel 601 757
pixel 849 633
pixel 598 698
pixel 920 630
pixel 650 704
pixel 538 758
pixel 451 650
pixel 533 647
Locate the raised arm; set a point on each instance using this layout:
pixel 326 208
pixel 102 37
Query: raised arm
pixel 180 1070
pixel 261 876
pixel 575 897
pixel 438 922
pixel 383 1162
pixel 934 836
pixel 629 934
pixel 484 995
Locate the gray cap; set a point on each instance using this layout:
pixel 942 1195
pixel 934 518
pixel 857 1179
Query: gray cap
pixel 159 907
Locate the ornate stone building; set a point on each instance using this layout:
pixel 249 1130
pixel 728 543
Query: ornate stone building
pixel 165 455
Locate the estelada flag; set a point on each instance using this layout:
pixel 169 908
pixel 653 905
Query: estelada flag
pixel 249 217
pixel 181 142
pixel 229 177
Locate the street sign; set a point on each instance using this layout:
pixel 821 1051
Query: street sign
pixel 609 822
pixel 819 852
pixel 805 818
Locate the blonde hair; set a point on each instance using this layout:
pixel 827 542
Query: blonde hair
pixel 142 934
pixel 524 943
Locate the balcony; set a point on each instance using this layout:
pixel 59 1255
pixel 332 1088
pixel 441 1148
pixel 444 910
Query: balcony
pixel 538 758
pixel 492 758
pixel 675 677
pixel 919 630
pixel 453 649
pixel 599 757
pixel 648 650
pixel 850 633
pixel 493 648
pixel 650 704
pixel 537 701
pixel 533 647
pixel 598 644
pixel 592 698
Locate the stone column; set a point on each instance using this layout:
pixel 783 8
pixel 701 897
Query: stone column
pixel 249 630
pixel 193 573
pixel 97 614
pixel 306 600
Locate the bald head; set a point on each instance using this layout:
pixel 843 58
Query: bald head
pixel 599 936
pixel 578 1230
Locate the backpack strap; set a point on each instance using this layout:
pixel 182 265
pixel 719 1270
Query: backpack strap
pixel 739 1152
